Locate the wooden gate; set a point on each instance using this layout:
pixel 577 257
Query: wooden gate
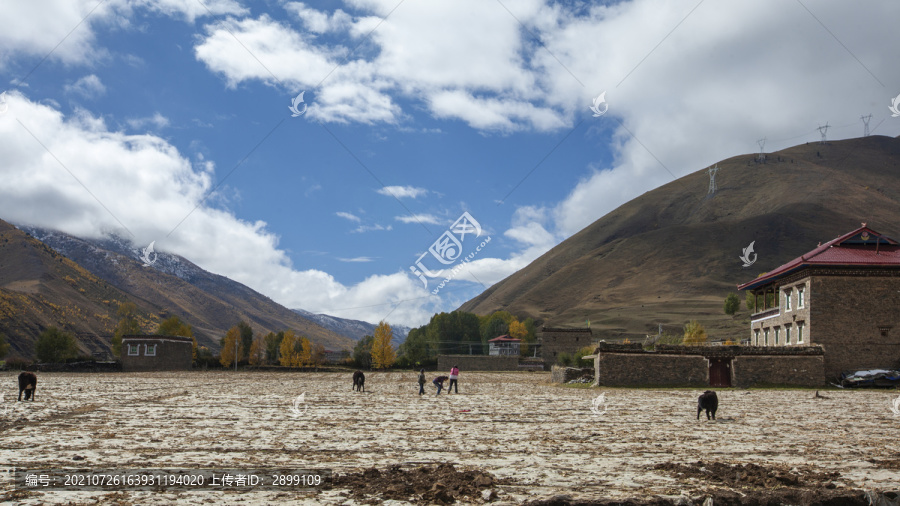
pixel 720 372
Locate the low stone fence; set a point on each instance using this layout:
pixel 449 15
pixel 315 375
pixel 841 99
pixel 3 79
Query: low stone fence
pixel 561 374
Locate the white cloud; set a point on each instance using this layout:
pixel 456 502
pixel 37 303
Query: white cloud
pixel 357 259
pixel 372 228
pixel 420 218
pixel 148 187
pixel 156 121
pixel 402 191
pixel 320 22
pixel 348 216
pixel 88 86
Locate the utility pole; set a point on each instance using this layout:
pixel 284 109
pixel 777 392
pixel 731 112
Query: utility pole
pixel 235 352
pixel 865 120
pixel 823 130
pixel 712 180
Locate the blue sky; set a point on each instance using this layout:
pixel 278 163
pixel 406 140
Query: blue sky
pixel 417 112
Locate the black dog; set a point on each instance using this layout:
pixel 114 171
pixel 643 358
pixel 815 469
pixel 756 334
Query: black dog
pixel 27 384
pixel 359 381
pixel 709 402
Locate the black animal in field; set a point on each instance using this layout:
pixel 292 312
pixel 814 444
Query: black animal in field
pixel 27 384
pixel 708 401
pixel 359 381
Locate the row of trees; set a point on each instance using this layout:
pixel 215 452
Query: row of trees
pixel 459 332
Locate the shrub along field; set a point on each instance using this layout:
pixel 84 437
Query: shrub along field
pixel 510 437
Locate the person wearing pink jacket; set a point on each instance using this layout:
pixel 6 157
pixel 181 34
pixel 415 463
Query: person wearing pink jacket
pixel 454 375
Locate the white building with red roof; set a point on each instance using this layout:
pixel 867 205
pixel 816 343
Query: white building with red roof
pixel 504 345
pixel 843 295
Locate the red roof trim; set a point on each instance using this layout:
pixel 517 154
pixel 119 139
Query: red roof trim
pixel 850 249
pixel 504 338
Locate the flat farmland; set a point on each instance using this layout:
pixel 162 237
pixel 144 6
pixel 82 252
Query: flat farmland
pixel 534 439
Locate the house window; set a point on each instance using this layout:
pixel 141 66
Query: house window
pixel 756 337
pixel 766 337
pixel 787 300
pixel 787 335
pixel 134 349
pixel 800 297
pixel 799 332
pixel 149 350
pixel 777 331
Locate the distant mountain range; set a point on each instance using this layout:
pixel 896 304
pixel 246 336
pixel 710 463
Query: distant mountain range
pixel 354 329
pixel 52 278
pixel 672 254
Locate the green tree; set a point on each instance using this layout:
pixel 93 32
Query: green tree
pixel 694 333
pixel 273 345
pixel 175 327
pixel 128 325
pixel 246 338
pixel 230 356
pixel 732 303
pixel 417 349
pixel 383 355
pixel 55 346
pixel 4 345
pixel 362 352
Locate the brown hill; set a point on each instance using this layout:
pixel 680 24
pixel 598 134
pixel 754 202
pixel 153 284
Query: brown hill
pixel 672 254
pixel 40 287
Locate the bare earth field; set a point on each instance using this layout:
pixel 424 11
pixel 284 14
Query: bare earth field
pixel 511 438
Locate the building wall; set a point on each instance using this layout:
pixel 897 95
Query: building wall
pixel 793 318
pixel 671 365
pixel 478 363
pixel 857 322
pixel 770 370
pixel 172 354
pixel 644 369
pixel 555 341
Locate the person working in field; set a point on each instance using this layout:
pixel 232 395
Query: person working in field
pixel 422 382
pixel 454 375
pixel 439 383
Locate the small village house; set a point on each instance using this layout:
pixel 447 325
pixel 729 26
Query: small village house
pixel 554 341
pixel 843 295
pixel 504 345
pixel 156 353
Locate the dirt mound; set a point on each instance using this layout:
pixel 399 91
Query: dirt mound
pixel 442 484
pixel 750 475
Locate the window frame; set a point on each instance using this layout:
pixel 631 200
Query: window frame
pixel 148 348
pixel 777 332
pixel 800 292
pixel 787 335
pixel 766 337
pixel 800 326
pixel 787 300
pixel 134 347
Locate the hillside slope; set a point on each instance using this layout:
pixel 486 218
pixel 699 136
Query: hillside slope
pixel 171 286
pixel 672 254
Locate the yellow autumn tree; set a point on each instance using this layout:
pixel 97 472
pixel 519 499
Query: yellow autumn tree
pixel 304 354
pixel 694 333
pixel 227 356
pixel 288 355
pixel 383 355
pixel 257 351
pixel 517 330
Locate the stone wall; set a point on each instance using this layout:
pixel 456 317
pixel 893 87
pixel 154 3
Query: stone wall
pixel 646 369
pixel 857 320
pixel 558 340
pixel 670 366
pixel 562 374
pixel 769 370
pixel 477 363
